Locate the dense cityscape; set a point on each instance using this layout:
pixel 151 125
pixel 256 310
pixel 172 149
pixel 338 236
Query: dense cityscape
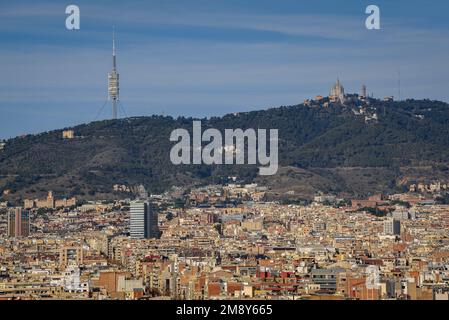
pixel 346 199
pixel 230 241
pixel 227 242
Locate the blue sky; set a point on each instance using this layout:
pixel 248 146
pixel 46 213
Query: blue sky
pixel 204 58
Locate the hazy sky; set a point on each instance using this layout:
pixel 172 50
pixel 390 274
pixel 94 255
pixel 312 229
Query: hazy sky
pixel 210 57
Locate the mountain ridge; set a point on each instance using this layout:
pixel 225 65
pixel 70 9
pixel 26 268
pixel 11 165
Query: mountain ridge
pixel 361 147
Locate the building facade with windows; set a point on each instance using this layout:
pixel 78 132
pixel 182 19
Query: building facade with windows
pixel 143 222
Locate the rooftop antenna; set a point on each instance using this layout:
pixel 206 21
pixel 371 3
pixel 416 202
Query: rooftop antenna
pixel 399 85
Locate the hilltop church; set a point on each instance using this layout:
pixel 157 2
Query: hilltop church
pixel 337 93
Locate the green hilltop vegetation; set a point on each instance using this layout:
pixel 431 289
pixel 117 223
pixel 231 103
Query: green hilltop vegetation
pixel 354 149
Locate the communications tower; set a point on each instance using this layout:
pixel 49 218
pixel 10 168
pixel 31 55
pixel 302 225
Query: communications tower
pixel 113 81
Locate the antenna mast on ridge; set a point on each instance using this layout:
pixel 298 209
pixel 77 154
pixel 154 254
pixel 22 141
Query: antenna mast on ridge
pixel 113 80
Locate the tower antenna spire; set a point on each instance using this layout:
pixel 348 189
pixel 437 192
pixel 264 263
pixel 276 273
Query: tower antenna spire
pixel 113 48
pixel 113 41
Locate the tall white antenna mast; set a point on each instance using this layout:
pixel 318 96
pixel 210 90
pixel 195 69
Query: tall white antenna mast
pixel 113 41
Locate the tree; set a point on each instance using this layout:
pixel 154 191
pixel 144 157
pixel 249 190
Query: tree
pixel 218 227
pixel 169 216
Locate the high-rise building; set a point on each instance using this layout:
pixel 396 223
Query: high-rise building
pixel 18 223
pixel 143 220
pixel 392 227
